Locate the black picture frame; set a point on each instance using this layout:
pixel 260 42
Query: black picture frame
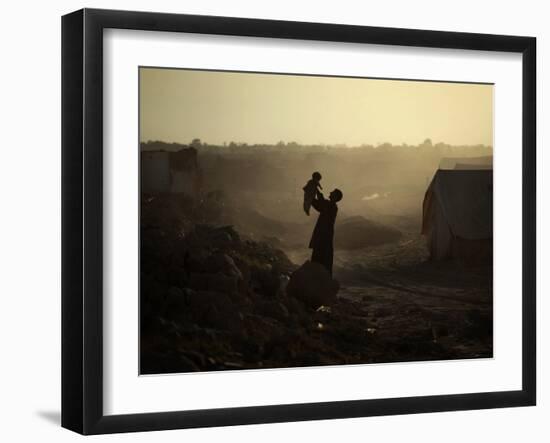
pixel 82 218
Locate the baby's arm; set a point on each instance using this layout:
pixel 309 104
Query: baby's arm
pixel 319 186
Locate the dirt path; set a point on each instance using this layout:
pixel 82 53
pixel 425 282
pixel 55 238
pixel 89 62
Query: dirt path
pixel 410 302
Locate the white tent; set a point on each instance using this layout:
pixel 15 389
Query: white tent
pixel 458 215
pixel 485 162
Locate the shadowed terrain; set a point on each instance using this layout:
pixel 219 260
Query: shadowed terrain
pixel 215 273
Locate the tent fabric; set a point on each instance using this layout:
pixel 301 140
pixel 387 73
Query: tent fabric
pixel 458 205
pixel 485 162
pixel 468 166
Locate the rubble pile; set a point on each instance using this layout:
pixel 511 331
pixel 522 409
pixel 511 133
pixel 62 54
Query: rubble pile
pixel 211 300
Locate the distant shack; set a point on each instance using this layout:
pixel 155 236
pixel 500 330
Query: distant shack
pixel 175 172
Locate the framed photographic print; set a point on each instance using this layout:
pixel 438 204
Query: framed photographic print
pixel 268 221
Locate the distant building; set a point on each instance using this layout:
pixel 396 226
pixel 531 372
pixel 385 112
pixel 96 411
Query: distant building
pixel 171 172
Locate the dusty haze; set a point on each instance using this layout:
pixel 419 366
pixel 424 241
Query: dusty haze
pixel 259 137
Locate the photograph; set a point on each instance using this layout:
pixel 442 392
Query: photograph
pixel 296 220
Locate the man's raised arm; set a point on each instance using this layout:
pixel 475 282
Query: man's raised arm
pixel 319 201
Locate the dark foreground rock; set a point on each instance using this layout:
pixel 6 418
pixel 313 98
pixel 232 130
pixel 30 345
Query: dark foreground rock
pixel 313 285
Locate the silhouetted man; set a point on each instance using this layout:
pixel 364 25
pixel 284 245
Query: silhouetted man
pixel 323 234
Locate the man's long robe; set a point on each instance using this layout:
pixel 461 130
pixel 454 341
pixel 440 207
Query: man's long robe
pixel 323 235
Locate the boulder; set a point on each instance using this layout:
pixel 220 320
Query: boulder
pixel 265 280
pixel 313 285
pixel 224 236
pixel 273 309
pixel 212 310
pixel 283 282
pixel 224 264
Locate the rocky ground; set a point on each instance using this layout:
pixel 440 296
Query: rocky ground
pixel 212 299
pixel 417 309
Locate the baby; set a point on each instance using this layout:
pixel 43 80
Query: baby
pixel 310 189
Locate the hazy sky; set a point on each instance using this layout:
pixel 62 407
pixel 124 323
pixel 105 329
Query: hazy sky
pixel 179 105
